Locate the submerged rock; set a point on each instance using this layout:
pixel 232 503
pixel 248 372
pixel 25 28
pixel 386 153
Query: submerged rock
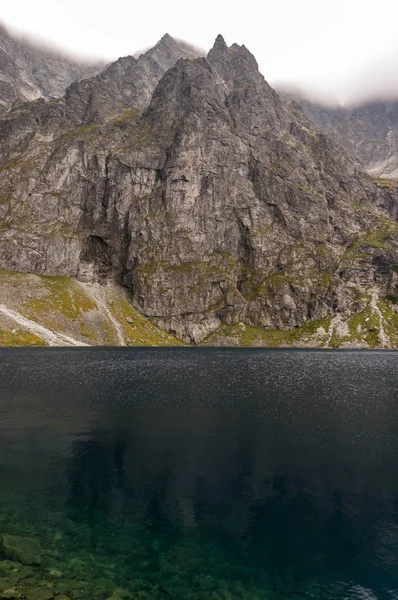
pixel 24 592
pixel 120 594
pixel 21 549
pixel 40 594
pixel 9 566
pixel 54 573
pixel 13 593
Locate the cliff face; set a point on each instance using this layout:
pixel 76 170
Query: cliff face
pixel 217 205
pixel 28 72
pixel 369 131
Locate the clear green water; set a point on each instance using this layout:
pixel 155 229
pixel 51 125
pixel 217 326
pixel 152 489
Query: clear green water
pixel 203 474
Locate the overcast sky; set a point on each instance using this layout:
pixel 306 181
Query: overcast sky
pixel 341 49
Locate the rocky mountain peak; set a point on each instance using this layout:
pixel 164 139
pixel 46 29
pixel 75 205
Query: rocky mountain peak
pixel 127 83
pixel 219 45
pixel 166 41
pixel 246 55
pixel 216 205
pixel 165 54
pixel 235 65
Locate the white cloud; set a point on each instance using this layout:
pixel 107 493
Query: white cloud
pixel 320 45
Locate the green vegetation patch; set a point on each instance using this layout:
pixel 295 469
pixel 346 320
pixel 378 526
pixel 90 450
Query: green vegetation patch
pixel 249 335
pixel 128 114
pixel 386 184
pixel 377 238
pixel 64 296
pixel 80 132
pixel 16 164
pixel 137 330
pixel 363 327
pixel 62 305
pixel 5 198
pixel 309 192
pixel 390 322
pixel 19 337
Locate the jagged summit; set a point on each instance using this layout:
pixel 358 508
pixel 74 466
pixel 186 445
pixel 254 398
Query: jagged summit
pixel 234 65
pixel 220 44
pixel 221 48
pixel 244 51
pixel 166 40
pixel 167 49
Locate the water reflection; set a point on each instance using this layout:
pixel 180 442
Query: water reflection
pixel 279 467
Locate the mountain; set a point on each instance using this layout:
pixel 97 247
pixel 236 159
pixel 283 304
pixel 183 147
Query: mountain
pixel 125 84
pixel 28 71
pixel 368 131
pixel 226 213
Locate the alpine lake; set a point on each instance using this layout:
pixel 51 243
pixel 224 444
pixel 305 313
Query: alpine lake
pixel 198 474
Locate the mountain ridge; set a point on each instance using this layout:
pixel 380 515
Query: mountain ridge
pixel 214 203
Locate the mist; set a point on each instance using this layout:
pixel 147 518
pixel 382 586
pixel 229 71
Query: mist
pixel 376 81
pixel 44 46
pixel 347 59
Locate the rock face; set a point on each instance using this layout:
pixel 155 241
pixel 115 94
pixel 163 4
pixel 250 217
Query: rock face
pixel 211 200
pixel 369 131
pixel 28 72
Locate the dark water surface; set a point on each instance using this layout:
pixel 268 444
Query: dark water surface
pixel 204 474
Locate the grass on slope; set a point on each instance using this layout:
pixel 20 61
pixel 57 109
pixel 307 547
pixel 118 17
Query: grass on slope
pixel 65 306
pixel 19 337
